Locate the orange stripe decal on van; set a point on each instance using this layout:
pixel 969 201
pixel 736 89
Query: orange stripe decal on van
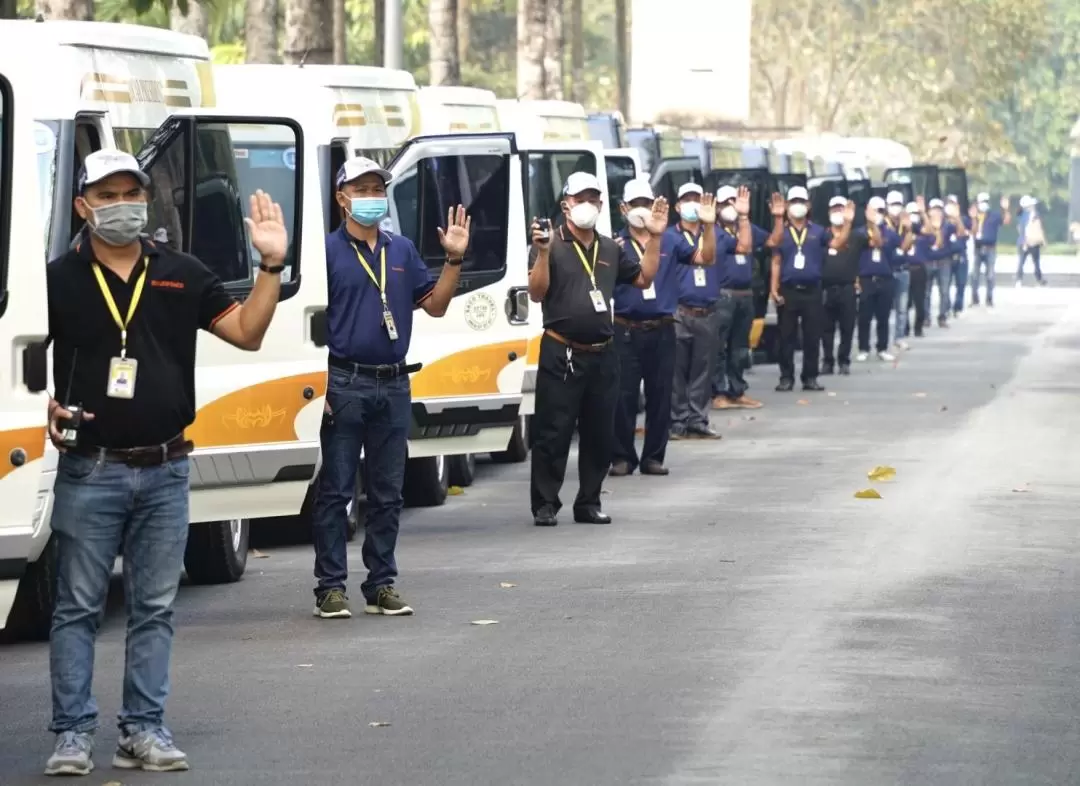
pixel 31 441
pixel 471 372
pixel 532 357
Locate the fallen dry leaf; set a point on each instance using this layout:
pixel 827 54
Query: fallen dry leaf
pixel 802 401
pixel 455 491
pixel 378 724
pixel 113 783
pixel 867 494
pixel 1021 490
pixel 507 584
pixel 485 622
pixel 831 393
pixel 881 473
pixel 749 417
pixel 304 665
pixel 920 395
pixel 256 554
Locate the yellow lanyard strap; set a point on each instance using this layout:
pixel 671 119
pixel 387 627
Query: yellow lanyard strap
pixel 799 239
pixel 640 249
pixel 381 281
pixel 690 240
pixel 590 269
pixel 111 302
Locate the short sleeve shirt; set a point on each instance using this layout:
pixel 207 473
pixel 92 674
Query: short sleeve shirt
pixel 676 252
pixel 736 271
pixel 811 244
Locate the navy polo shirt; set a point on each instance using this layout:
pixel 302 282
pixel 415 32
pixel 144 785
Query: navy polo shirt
pixel 953 242
pixel 737 270
pixel 813 243
pixel 709 276
pixel 987 226
pixel 878 261
pixel 630 302
pixel 354 307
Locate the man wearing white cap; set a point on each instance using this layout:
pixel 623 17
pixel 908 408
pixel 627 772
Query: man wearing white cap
pixel 959 261
pixel 1030 239
pixel 920 259
pixel 897 221
pixel 986 225
pixel 795 286
pixel 574 271
pixel 947 242
pixel 875 281
pixel 124 313
pixel 840 281
pixel 645 328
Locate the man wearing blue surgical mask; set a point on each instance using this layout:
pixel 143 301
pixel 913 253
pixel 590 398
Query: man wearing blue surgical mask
pixel 375 281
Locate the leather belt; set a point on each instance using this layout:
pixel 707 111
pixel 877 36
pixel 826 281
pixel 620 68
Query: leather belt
pixel 378 371
pixel 838 284
pixel 800 287
pixel 696 311
pixel 644 324
pixel 598 347
pixel 737 292
pixel 148 456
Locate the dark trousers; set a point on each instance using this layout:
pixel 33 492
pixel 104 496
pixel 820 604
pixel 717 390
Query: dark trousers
pixel 875 304
pixel 735 316
pixel 802 308
pixel 1035 255
pixel 920 277
pixel 695 354
pixel 839 314
pixel 373 414
pixel 573 388
pixel 646 354
pixel 960 279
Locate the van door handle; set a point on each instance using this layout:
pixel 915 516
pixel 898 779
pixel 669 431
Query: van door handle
pixel 317 327
pixel 35 366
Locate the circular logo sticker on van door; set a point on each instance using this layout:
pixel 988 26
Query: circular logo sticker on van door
pixel 288 158
pixel 480 311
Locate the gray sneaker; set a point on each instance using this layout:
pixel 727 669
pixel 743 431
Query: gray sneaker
pixel 388 602
pixel 151 750
pixel 332 604
pixel 71 755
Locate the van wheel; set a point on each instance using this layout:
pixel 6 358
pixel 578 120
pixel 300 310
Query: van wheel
pixel 426 482
pixel 461 469
pixel 217 551
pixel 517 450
pixel 31 615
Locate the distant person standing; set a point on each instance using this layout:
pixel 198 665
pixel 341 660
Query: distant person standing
pixel 574 271
pixel 959 261
pixel 1030 238
pixel 986 224
pixel 876 281
pixel 920 266
pixel 840 282
pixel 898 221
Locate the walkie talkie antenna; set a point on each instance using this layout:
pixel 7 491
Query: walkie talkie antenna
pixel 71 377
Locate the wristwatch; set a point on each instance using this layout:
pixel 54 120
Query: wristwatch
pixel 265 268
pixel 455 262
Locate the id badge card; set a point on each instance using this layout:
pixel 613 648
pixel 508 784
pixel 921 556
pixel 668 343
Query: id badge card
pixel 122 373
pixel 388 322
pixel 650 293
pixel 740 259
pixel 800 261
pixel 598 304
pixel 699 276
pixel 875 255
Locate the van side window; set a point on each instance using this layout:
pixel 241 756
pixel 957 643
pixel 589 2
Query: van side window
pixel 6 111
pixel 546 175
pixel 423 194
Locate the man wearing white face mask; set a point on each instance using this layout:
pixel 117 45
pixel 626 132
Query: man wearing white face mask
pixel 573 273
pixel 898 222
pixel 124 312
pixel 959 261
pixel 840 283
pixel 986 225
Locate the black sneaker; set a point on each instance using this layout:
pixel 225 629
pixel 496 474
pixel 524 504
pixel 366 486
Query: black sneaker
pixel 827 368
pixel 785 386
pixel 845 370
pixel 812 385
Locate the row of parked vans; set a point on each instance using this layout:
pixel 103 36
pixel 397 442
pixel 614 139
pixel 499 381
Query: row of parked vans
pixel 210 135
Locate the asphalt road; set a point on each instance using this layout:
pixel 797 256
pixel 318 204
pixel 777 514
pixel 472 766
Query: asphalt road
pixel 745 621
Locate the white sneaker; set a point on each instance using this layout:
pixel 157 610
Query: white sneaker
pixel 71 755
pixel 862 357
pixel 1019 284
pixel 152 751
pixel 888 357
pixel 903 345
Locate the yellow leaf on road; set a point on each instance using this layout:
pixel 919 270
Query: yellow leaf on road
pixel 506 584
pixel 485 622
pixel 802 401
pixel 867 494
pixel 455 491
pixel 881 473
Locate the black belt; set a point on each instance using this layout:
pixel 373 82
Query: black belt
pixel 800 287
pixel 877 278
pixel 147 456
pixel 738 292
pixel 644 324
pixel 379 371
pixel 697 311
pixel 836 284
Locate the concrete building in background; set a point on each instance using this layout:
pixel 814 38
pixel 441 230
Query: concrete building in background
pixel 682 51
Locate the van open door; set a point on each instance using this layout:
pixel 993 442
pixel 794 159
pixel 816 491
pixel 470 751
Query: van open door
pixel 822 189
pixel 924 179
pixel 23 330
pixel 860 192
pixel 671 173
pixel 953 180
pixel 622 165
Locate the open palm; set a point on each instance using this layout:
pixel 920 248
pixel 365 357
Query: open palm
pixel 267 227
pixel 455 239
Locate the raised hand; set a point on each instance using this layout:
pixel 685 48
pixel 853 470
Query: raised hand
pixel 742 201
pixel 973 212
pixel 267 227
pixel 777 206
pixel 657 223
pixel 1004 203
pixel 920 201
pixel 870 213
pixel 707 209
pixel 849 212
pixel 540 237
pixel 905 220
pixel 455 239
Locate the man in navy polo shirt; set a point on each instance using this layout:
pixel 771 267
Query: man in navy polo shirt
pixel 795 286
pixel 645 326
pixel 375 281
pixel 876 281
pixel 735 305
pixel 986 224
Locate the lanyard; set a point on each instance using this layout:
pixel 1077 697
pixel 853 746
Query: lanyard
pixel 590 269
pixel 690 240
pixel 981 218
pixel 799 239
pixel 381 281
pixel 638 248
pixel 111 302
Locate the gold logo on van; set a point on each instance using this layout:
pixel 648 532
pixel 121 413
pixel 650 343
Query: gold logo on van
pixel 116 89
pixel 470 375
pixel 253 418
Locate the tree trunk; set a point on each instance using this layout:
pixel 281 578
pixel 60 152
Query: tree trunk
pixel 577 52
pixel 622 57
pixel 380 32
pixel 340 23
pixel 194 22
pixel 442 20
pixel 261 31
pixel 531 35
pixel 309 27
pixel 554 44
pixel 464 30
pixel 79 10
pixel 8 9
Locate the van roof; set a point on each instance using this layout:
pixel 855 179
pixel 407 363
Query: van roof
pixel 549 107
pixel 458 94
pixel 332 76
pixel 28 34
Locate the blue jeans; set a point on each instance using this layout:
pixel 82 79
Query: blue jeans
pixel 373 414
pixel 985 257
pixel 901 290
pixel 645 355
pixel 735 317
pixel 100 509
pixel 1035 254
pixel 943 276
pixel 959 276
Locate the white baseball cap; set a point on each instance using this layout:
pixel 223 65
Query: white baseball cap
pixel 913 208
pixel 954 199
pixel 936 203
pixel 690 188
pixel 838 201
pixel 102 163
pixel 358 167
pixel 726 193
pixel 894 198
pixel 638 188
pixel 982 197
pixel 581 181
pixel 1027 200
pixel 876 203
pixel 797 192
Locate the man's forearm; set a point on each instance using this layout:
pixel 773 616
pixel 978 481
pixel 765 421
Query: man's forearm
pixel 444 290
pixel 777 232
pixel 258 309
pixel 650 262
pixel 539 277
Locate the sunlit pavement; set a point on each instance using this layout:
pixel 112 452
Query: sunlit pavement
pixel 744 621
